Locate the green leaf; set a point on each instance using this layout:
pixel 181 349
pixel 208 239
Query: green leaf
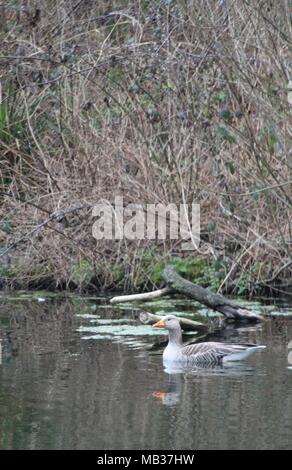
pixel 224 134
pixel 211 226
pixel 221 96
pixel 225 114
pixel 7 227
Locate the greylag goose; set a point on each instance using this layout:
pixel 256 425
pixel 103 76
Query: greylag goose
pixel 200 353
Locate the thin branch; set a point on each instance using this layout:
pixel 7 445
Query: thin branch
pixel 55 215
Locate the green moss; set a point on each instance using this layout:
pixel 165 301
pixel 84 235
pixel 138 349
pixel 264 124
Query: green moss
pixel 6 272
pixel 13 125
pixel 115 74
pixel 246 281
pixel 196 269
pixel 118 274
pixel 225 135
pixel 82 272
pixel 191 268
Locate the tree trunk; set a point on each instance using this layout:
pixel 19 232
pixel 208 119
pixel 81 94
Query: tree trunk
pixel 214 301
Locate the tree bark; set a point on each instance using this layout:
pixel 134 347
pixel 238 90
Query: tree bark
pixel 217 302
pixel 176 284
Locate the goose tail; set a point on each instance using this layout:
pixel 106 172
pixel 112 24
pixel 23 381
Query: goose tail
pixel 246 352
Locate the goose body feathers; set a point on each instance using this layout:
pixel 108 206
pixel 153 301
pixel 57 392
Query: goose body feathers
pixel 200 353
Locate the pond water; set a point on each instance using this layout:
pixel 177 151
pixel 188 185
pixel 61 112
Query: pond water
pixel 76 373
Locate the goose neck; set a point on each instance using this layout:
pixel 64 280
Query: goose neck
pixel 175 337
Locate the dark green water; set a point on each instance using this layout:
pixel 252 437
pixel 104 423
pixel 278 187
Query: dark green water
pixel 61 391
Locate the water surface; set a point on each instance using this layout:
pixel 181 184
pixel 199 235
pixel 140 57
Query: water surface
pixel 66 386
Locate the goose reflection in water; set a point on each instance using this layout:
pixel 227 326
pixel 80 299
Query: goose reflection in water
pixel 179 374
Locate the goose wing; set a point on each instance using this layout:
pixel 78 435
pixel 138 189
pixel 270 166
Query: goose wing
pixel 211 352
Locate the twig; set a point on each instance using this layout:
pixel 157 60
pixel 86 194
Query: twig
pixel 53 216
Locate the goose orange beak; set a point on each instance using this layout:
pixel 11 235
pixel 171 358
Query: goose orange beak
pixel 160 395
pixel 159 324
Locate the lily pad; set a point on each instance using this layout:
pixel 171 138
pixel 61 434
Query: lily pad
pixel 97 337
pixel 159 303
pixel 39 296
pixel 208 313
pixel 180 313
pixel 125 306
pixel 281 313
pixel 122 330
pixel 111 321
pixel 88 315
pixel 106 306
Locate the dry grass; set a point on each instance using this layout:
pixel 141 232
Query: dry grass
pixel 162 101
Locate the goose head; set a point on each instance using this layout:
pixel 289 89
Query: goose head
pixel 170 322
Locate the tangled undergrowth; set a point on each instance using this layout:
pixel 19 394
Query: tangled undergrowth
pixel 159 102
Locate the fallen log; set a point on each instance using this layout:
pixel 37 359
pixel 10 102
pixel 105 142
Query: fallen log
pixel 217 302
pixel 176 284
pixel 186 323
pixel 146 296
